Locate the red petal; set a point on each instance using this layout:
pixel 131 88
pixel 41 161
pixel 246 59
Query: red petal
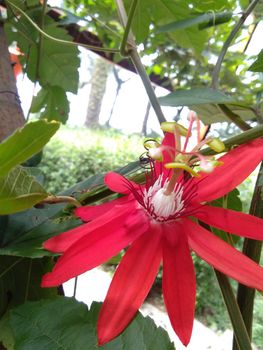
pixel 118 183
pixel 91 212
pixel 63 241
pixel 222 256
pixel 130 285
pixel 232 221
pixel 168 151
pixel 96 247
pixel 238 164
pixel 178 282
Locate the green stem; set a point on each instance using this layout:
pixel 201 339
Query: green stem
pixel 241 336
pixel 217 68
pixel 136 60
pixel 66 42
pixel 240 332
pixel 246 136
pixel 235 118
pixel 252 249
pixel 127 29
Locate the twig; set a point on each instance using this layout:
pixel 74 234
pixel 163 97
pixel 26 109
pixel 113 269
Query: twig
pixel 216 71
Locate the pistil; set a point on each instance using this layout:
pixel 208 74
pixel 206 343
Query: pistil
pixel 172 182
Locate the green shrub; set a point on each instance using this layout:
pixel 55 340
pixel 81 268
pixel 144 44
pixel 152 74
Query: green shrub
pixel 74 155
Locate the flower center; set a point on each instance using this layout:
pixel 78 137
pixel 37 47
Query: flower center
pixel 161 206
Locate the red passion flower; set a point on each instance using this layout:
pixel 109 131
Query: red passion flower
pixel 158 221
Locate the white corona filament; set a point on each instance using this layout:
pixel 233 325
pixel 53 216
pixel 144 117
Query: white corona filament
pixel 164 205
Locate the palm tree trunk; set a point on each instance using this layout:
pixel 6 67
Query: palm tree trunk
pixel 98 86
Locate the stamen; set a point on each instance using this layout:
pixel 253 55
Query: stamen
pixel 172 126
pixel 192 117
pixel 166 206
pixel 176 165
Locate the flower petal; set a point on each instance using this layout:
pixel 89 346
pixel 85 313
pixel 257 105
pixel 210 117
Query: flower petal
pixel 179 286
pixel 97 247
pixel 222 256
pixel 231 221
pixel 238 164
pixel 91 212
pixel 118 183
pixel 168 151
pixel 63 241
pixel 130 285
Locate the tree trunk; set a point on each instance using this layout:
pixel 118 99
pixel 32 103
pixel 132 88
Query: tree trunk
pixel 11 114
pixel 98 86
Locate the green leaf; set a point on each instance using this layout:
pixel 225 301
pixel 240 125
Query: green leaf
pixel 30 244
pixel 64 323
pixel 6 335
pixel 52 102
pixel 194 96
pixel 19 191
pixel 58 63
pixel 217 19
pixel 20 281
pixel 257 66
pixel 25 232
pixel 205 20
pixel 230 201
pixel 233 201
pixel 211 113
pixel 24 143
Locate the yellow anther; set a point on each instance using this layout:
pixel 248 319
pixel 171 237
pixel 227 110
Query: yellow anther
pixel 216 145
pixel 182 166
pixel 171 126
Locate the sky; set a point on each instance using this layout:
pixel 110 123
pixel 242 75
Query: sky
pixel 131 105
